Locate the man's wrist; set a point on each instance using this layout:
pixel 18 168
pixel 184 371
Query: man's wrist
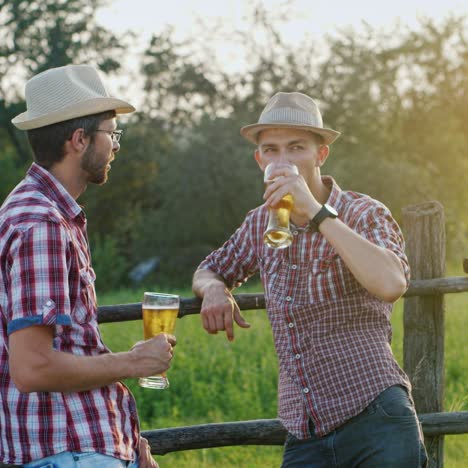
pixel 326 211
pixel 214 286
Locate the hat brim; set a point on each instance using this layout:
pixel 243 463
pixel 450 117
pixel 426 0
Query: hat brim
pixel 25 121
pixel 250 132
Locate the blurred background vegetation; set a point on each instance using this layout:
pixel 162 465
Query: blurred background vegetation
pixel 184 178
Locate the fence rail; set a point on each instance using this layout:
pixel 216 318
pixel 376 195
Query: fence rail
pixel 191 305
pixel 269 432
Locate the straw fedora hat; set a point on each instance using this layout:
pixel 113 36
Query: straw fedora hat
pixel 65 93
pixel 290 110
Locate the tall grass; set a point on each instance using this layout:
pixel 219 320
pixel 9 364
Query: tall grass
pixel 213 380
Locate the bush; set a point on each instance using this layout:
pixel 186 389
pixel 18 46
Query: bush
pixel 109 264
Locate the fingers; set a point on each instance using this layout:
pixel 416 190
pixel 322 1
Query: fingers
pixel 145 459
pixel 240 320
pixel 171 339
pixel 220 317
pixel 276 190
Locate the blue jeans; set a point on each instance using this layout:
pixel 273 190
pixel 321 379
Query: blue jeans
pixel 385 435
pixel 80 460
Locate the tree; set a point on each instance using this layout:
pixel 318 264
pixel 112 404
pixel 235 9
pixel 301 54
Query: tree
pixel 39 34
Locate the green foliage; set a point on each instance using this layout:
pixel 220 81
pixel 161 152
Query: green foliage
pixel 108 263
pixel 10 173
pixel 207 187
pixel 38 35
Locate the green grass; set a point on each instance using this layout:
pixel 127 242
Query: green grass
pixel 213 380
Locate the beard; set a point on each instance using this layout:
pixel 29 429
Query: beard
pixel 95 164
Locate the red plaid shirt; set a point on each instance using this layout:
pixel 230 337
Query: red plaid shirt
pixel 46 278
pixel 332 337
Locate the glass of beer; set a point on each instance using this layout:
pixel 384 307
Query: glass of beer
pixel 278 234
pixel 159 316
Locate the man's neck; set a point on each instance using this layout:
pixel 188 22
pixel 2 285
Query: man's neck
pixel 68 178
pixel 319 190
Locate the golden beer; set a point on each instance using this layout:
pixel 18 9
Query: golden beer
pixel 278 234
pixel 160 313
pixel 156 320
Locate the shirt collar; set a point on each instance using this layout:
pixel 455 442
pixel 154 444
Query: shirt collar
pixel 54 190
pixel 334 198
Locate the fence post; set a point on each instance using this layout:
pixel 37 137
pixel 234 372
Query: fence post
pixel 423 342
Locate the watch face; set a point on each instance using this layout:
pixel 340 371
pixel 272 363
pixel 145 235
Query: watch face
pixel 331 209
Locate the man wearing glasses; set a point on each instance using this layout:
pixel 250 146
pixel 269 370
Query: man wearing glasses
pixel 61 399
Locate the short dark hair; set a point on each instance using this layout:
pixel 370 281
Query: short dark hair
pixel 47 142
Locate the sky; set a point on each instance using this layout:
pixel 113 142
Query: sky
pixel 305 19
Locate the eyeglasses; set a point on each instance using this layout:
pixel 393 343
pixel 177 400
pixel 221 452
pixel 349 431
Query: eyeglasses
pixel 116 135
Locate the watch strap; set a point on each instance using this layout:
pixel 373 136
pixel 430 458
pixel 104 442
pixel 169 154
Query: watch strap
pixel 323 213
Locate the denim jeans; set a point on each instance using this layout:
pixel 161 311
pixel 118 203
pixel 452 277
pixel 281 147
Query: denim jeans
pixel 385 435
pixel 80 460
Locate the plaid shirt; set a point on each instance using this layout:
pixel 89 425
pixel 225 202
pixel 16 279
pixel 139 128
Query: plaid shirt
pixel 332 337
pixel 46 278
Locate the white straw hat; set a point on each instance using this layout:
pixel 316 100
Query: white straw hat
pixel 290 110
pixel 65 93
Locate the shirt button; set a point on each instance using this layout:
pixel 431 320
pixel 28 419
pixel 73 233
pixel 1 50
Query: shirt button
pixel 305 390
pixel 294 267
pixel 295 233
pixel 289 298
pixel 290 325
pixel 298 356
pixel 48 303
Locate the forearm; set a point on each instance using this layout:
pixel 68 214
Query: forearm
pixel 64 372
pixel 207 280
pixel 55 371
pixel 35 366
pixel 377 269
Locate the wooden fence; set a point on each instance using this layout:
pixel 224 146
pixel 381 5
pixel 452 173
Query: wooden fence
pixel 423 348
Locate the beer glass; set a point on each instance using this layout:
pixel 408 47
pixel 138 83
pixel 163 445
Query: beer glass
pixel 278 234
pixel 159 316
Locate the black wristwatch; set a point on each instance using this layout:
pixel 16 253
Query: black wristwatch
pixel 326 211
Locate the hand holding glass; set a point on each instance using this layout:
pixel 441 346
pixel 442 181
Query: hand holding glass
pixel 159 316
pixel 278 234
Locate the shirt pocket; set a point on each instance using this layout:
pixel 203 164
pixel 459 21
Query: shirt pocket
pixel 270 273
pixel 329 279
pixel 86 306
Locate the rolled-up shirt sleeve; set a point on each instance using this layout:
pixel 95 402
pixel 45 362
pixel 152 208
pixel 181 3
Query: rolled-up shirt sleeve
pixel 235 261
pixel 378 226
pixel 39 277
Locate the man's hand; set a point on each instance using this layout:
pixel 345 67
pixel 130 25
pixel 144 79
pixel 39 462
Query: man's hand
pixel 285 181
pixel 145 459
pixel 219 311
pixel 152 356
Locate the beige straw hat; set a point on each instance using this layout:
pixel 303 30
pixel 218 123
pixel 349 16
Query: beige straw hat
pixel 290 110
pixel 65 93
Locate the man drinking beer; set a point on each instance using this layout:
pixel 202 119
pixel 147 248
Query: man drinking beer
pixel 342 396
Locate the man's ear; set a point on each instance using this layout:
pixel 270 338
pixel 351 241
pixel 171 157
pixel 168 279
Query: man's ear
pixel 258 158
pixel 322 155
pixel 79 141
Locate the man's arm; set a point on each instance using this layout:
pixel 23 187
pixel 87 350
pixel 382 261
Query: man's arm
pixel 36 367
pixel 218 307
pixel 377 269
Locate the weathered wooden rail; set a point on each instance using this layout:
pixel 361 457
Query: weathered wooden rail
pixel 270 432
pixel 191 305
